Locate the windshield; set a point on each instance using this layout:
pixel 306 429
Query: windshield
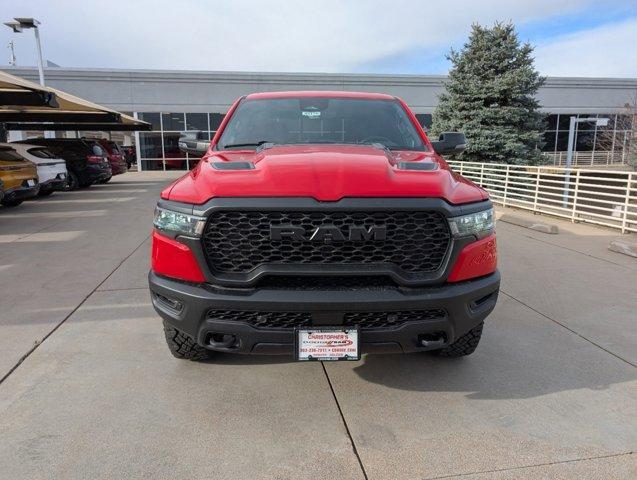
pixel 320 120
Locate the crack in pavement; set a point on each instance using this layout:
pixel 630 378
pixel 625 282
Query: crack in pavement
pixel 39 342
pixel 349 434
pixel 567 328
pixel 522 467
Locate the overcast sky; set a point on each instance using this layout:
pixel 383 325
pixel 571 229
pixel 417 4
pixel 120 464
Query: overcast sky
pixel 572 37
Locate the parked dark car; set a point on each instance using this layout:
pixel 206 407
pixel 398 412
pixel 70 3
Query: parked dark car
pixel 86 160
pixel 115 157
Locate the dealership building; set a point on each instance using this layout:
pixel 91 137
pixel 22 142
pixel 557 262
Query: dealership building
pixel 176 101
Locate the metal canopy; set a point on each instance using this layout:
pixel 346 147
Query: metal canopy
pixel 102 127
pixel 25 105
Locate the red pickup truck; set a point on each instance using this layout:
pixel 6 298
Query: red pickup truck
pixel 323 225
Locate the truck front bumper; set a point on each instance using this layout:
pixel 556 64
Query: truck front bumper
pixel 186 307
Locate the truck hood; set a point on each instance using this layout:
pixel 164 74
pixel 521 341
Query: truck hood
pixel 325 172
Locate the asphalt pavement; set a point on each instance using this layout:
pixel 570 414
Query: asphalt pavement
pixel 90 391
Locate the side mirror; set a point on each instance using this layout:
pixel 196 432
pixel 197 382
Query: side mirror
pixel 194 143
pixel 450 143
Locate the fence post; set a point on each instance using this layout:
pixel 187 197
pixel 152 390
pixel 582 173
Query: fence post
pixel 575 195
pixel 481 174
pixel 461 169
pixel 626 203
pixel 506 186
pixel 537 188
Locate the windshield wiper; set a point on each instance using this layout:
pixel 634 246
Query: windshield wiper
pixel 250 144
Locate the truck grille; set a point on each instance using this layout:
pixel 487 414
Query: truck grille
pixel 239 241
pixel 290 320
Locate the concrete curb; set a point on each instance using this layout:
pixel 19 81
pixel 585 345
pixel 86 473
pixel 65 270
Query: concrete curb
pixel 622 246
pixel 531 224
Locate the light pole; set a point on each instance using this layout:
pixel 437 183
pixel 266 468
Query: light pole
pixel 12 60
pixel 600 122
pixel 20 23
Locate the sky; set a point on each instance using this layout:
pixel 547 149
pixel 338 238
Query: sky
pixel 571 37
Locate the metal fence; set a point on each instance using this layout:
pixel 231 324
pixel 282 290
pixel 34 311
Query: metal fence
pixel 589 159
pixel 602 197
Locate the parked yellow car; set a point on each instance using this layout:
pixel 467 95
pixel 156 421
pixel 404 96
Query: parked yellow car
pixel 19 177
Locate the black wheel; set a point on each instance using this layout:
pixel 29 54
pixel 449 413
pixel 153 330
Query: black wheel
pixel 84 184
pixel 465 345
pixel 45 193
pixel 73 182
pixel 183 346
pixel 106 180
pixel 11 203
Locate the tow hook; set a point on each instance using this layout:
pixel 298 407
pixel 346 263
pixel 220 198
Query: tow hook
pixel 432 340
pixel 222 340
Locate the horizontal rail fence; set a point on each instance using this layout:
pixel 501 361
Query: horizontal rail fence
pixel 602 197
pixel 589 159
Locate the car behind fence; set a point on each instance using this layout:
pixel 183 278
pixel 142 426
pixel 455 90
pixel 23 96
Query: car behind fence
pixel 602 197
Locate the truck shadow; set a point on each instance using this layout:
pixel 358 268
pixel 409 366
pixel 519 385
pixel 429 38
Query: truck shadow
pixel 521 355
pixel 481 377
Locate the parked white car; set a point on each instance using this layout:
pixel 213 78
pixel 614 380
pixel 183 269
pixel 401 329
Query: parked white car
pixel 51 169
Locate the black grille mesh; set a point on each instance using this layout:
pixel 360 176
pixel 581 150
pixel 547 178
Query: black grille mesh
pixel 239 241
pixel 375 320
pixel 290 320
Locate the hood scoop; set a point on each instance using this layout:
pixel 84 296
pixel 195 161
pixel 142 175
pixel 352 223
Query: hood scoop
pixel 425 166
pixel 232 165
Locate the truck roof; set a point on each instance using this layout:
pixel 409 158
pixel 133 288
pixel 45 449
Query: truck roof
pixel 320 94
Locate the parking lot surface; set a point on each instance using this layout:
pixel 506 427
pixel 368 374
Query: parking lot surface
pixel 90 390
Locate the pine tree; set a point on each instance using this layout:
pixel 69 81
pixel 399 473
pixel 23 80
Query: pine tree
pixel 490 96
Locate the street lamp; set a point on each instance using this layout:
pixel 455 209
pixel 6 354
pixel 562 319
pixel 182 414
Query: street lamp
pixel 20 23
pixel 600 122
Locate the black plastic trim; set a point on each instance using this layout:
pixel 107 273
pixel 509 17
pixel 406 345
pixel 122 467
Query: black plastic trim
pixel 457 299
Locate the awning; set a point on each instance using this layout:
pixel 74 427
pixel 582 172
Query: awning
pixel 25 105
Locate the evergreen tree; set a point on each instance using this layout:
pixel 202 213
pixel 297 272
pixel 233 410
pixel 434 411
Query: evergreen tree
pixel 490 96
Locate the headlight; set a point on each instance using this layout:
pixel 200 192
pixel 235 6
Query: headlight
pixel 479 224
pixel 179 223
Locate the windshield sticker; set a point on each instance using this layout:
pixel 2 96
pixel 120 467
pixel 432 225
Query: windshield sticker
pixel 311 114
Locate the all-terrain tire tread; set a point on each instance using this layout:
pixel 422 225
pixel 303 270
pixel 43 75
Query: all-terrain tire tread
pixel 184 346
pixel 465 345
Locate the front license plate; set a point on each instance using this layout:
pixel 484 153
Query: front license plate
pixel 31 183
pixel 327 343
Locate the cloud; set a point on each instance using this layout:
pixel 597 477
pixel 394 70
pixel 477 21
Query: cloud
pixel 604 51
pixel 255 35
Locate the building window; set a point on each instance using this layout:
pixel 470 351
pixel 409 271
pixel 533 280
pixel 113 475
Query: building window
pixel 159 149
pixel 152 118
pixel 173 122
pixel 197 121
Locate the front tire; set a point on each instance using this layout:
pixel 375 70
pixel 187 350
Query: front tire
pixel 45 193
pixel 73 182
pixel 465 345
pixel 183 346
